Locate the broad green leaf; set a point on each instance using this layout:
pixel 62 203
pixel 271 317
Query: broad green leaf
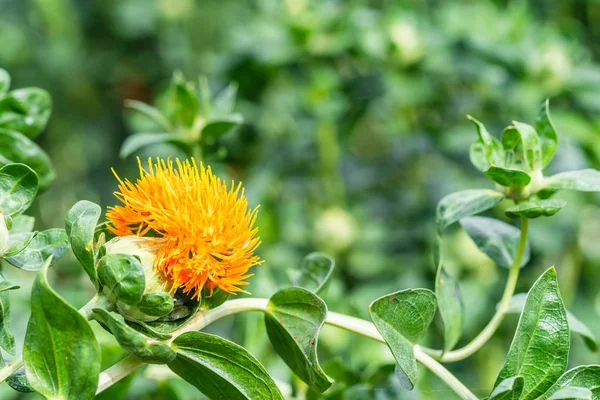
pixel 547 133
pixel 22 224
pixel 17 242
pixel 462 204
pixel 315 271
pixel 17 148
pixel 585 180
pixel 585 376
pixel 181 103
pixel 26 110
pixel 18 381
pixel 450 305
pixel 122 278
pixel 497 239
pixel 221 369
pixel 535 209
pixel 218 127
pixel 49 243
pixel 508 389
pixel 62 357
pixel 139 140
pixel 525 136
pixel 402 318
pixel 494 153
pixel 7 339
pixel 540 347
pixel 572 393
pixel 517 303
pixel 18 187
pixel 4 81
pixel 508 177
pixel 133 342
pixel 80 224
pixel 151 112
pixel 294 319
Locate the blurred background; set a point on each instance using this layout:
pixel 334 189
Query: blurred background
pixel 355 127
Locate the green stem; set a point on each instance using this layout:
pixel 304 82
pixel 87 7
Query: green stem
pixel 352 324
pixel 492 326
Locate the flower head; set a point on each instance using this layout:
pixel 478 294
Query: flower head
pixel 205 231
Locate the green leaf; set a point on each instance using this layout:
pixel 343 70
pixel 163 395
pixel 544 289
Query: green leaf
pixel 18 187
pixel 315 271
pixel 219 127
pixel 49 243
pixel 139 140
pixel 80 224
pixel 213 298
pixel 402 318
pixel 478 156
pixel 18 381
pixel 508 177
pixel 526 137
pixel 585 376
pixel 294 319
pixel 223 103
pixel 497 239
pixel 547 133
pixel 508 389
pixel 17 148
pixel 7 285
pixel 26 110
pixel 572 393
pixel 535 209
pixel 157 304
pixel 133 342
pixel 151 112
pixel 7 339
pixel 221 369
pixel 462 204
pixel 585 180
pixel 122 278
pixel 62 357
pixel 182 104
pixel 22 224
pixel 4 81
pixel 517 303
pixel 494 153
pixel 450 305
pixel 540 347
pixel 17 242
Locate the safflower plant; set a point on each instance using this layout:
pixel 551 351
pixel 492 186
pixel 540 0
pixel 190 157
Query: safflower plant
pixel 180 243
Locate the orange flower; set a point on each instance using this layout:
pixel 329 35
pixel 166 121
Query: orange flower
pixel 206 231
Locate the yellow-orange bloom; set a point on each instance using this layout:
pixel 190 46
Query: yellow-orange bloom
pixel 207 231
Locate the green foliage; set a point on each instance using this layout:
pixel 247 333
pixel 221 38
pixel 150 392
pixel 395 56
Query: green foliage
pixel 315 272
pixel 456 206
pixel 50 244
pixel 402 318
pixel 585 376
pixel 80 224
pixel 17 148
pixel 221 369
pixel 508 389
pixel 450 305
pixel 293 320
pixel 122 278
pixel 535 209
pixel 25 110
pixel 7 339
pixel 62 356
pixel 18 187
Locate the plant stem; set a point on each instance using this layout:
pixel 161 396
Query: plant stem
pixel 352 324
pixel 492 326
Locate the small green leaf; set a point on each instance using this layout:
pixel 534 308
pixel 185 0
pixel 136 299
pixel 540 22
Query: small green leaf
pixel 530 142
pixel 585 180
pixel 535 209
pixel 402 318
pixel 315 271
pixel 225 101
pixel 17 242
pixel 585 376
pixel 221 369
pixel 61 355
pixel 133 342
pixel 151 112
pixel 494 153
pixel 182 104
pixel 508 389
pixel 18 381
pixel 450 305
pixel 80 224
pixel 122 278
pixel 572 393
pixel 26 110
pixel 49 243
pixel 547 133
pixel 497 239
pixel 214 299
pixel 508 177
pixel 17 148
pixel 139 140
pixel 462 204
pixel 7 339
pixel 18 187
pixel 478 156
pixel 4 81
pixel 540 347
pixel 7 285
pixel 22 224
pixel 219 127
pixel 294 319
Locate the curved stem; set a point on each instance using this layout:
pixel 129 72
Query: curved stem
pixel 492 326
pixel 352 324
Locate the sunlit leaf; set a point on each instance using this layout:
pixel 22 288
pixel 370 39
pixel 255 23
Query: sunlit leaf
pixel 49 243
pixel 18 187
pixel 462 204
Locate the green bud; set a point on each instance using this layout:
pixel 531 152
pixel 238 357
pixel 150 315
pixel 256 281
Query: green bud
pixel 122 278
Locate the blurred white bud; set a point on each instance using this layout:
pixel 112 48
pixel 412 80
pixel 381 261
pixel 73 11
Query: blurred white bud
pixel 406 38
pixel 335 229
